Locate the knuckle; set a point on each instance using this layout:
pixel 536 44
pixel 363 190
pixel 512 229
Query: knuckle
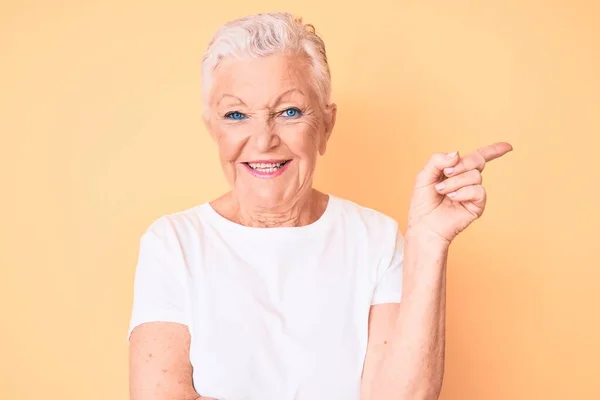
pixel 471 177
pixel 469 163
pixel 481 192
pixel 435 158
pixel 422 176
pixel 480 162
pixel 460 168
pixel 476 176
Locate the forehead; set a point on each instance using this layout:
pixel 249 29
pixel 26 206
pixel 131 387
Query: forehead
pixel 260 80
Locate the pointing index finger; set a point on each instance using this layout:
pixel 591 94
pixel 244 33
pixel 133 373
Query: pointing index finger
pixel 494 151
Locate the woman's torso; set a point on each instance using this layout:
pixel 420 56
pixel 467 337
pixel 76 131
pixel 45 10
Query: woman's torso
pixel 281 313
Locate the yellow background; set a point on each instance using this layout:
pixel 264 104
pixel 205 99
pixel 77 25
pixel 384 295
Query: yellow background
pixel 101 134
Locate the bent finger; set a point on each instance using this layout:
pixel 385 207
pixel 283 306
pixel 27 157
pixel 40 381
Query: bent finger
pixel 473 193
pixel 433 170
pixel 472 177
pixel 473 161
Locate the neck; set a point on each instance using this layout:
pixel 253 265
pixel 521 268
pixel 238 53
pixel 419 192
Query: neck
pixel 303 210
pixel 298 212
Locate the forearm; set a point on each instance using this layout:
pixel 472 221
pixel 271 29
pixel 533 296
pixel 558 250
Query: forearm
pixel 413 366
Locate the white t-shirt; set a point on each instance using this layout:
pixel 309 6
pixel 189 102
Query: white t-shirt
pixel 273 313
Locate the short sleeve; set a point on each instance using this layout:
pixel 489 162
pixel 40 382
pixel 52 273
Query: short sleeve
pixel 389 284
pixel 159 290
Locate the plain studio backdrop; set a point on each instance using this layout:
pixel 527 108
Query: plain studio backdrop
pixel 100 118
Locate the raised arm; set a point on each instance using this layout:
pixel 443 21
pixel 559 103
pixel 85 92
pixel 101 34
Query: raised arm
pixel 405 354
pixel 405 357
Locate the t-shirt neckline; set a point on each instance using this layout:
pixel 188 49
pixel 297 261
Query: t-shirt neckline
pixel 279 231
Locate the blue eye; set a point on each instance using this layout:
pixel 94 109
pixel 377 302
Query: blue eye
pixel 236 115
pixel 292 113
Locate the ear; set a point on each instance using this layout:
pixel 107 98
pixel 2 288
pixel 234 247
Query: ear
pixel 330 117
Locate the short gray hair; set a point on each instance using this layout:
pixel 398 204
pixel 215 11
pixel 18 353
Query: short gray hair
pixel 264 34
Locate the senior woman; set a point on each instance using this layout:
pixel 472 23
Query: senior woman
pixel 276 290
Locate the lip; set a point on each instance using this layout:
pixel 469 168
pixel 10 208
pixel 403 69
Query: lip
pixel 266 175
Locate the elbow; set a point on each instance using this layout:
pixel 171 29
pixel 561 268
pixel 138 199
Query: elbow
pixel 429 390
pixel 431 386
pixel 426 385
pixel 433 392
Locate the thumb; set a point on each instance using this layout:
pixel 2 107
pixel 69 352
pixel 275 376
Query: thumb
pixel 434 169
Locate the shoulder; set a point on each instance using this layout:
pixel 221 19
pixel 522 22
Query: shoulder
pixel 371 229
pixel 373 222
pixel 179 226
pixel 375 232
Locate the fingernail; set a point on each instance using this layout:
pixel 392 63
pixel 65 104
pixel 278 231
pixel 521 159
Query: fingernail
pixel 451 155
pixel 451 194
pixel 448 170
pixel 440 186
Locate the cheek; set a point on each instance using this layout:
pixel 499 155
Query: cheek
pixel 302 138
pixel 230 144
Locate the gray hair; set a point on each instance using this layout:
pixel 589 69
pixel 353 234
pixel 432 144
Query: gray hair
pixel 264 34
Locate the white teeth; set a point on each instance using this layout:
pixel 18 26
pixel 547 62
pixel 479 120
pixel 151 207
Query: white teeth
pixel 266 167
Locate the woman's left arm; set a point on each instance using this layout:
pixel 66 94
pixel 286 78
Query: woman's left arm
pixel 405 355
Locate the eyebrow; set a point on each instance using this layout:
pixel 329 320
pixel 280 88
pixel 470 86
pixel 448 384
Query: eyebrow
pixel 241 102
pixel 226 96
pixel 288 92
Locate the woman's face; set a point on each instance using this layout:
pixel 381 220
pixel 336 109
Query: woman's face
pixel 269 127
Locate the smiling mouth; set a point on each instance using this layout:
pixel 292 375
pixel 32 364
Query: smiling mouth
pixel 268 167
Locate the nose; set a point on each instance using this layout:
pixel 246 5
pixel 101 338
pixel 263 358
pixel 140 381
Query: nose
pixel 266 137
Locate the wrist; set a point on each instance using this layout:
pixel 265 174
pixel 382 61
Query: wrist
pixel 425 258
pixel 426 238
